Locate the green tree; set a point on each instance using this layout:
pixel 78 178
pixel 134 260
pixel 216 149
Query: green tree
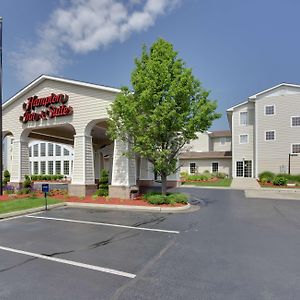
pixel 164 111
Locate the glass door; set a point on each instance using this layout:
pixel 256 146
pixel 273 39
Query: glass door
pixel 248 168
pixel 244 168
pixel 239 169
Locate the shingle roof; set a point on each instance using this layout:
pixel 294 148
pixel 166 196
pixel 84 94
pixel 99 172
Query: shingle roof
pixel 203 155
pixel 221 133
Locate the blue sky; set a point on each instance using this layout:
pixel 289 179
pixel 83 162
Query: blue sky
pixel 236 48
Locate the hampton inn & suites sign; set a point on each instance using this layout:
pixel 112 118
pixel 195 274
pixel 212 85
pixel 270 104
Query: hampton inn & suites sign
pixel 48 108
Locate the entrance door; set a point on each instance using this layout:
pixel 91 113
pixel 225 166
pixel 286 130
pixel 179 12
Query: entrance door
pixel 244 168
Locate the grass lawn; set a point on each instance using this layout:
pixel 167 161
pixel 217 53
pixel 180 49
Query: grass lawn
pixel 21 204
pixel 222 182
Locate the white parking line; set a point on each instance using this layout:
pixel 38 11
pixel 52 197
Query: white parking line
pixel 103 224
pixel 70 262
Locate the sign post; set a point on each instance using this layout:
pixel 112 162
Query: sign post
pixel 45 189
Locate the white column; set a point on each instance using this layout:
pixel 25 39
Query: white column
pixel 123 169
pixel 83 168
pixel 20 160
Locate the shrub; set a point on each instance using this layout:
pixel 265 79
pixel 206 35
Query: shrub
pixel 184 175
pixel 178 198
pixel 101 193
pixel 197 177
pixel 103 184
pixel 24 191
pixel 27 183
pixel 8 189
pixel 279 180
pixel 148 194
pixel 221 175
pixel 268 176
pixel 6 176
pixel 158 199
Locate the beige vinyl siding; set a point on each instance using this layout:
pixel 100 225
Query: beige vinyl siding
pixel 201 144
pixel 217 146
pixel 206 164
pixel 274 154
pixel 242 152
pixel 87 103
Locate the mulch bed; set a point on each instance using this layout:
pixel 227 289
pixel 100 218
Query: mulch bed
pixel 269 184
pixel 89 199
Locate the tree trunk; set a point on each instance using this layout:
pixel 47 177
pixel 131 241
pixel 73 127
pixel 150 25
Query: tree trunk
pixel 163 184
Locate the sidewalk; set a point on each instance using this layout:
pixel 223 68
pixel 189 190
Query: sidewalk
pixel 269 193
pixel 245 184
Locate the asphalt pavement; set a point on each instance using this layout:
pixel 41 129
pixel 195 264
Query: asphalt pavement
pixel 232 248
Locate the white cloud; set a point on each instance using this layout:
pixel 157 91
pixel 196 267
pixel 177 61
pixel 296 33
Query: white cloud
pixel 84 26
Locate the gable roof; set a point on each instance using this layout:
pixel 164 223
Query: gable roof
pixel 221 133
pixel 205 155
pixel 253 97
pixel 43 77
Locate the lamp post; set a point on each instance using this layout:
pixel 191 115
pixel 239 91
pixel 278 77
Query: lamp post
pixel 291 154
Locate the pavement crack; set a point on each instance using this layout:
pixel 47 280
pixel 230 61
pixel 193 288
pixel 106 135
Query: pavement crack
pixel 111 240
pixel 18 265
pixel 57 253
pixel 152 221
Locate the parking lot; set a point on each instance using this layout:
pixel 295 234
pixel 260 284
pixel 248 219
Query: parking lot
pixel 82 254
pixel 232 248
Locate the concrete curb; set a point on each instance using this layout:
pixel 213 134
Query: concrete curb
pixel 281 194
pixel 130 207
pixel 206 187
pixel 29 211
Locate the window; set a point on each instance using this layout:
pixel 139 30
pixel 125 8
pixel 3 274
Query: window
pixel 66 167
pixel 269 110
pixel 36 150
pixel 30 171
pixel 58 150
pixel 43 149
pixel 270 135
pixel 215 167
pixel 244 139
pixel 58 167
pixel 35 167
pixel 50 167
pixel 295 148
pixel 295 121
pixel 192 168
pixel 222 140
pixel 50 150
pixel 43 167
pixel 30 151
pixel 66 152
pixel 243 118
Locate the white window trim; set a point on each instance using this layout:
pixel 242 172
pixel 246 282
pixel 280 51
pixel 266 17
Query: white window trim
pixel 247 138
pixel 244 111
pixel 215 162
pixel 292 121
pixel 292 148
pixel 274 110
pixel 266 136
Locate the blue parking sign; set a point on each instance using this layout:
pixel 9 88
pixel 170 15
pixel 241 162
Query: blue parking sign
pixel 45 187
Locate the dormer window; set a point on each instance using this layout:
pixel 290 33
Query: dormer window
pixel 269 110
